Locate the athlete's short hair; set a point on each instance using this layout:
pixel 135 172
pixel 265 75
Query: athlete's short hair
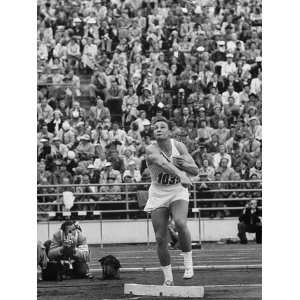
pixel 161 119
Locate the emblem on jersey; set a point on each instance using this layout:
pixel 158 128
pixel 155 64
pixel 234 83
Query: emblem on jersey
pixel 164 178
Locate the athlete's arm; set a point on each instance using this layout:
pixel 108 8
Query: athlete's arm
pixel 185 162
pixel 154 157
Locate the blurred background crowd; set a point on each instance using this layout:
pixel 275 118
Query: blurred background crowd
pixel 107 68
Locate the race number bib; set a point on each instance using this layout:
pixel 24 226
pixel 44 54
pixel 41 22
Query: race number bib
pixel 164 178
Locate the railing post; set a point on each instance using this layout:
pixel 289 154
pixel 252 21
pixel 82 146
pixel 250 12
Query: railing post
pixel 195 199
pixel 126 199
pixel 148 231
pixel 101 231
pixel 57 198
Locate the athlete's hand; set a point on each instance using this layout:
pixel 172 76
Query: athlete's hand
pixel 185 180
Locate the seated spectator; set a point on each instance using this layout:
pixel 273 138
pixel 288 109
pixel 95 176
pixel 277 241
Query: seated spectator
pixel 227 172
pixel 44 111
pixel 204 133
pixel 69 243
pixel 250 222
pixel 133 172
pixel 206 172
pixel 117 161
pixel 255 128
pixel 213 145
pixel 142 120
pixel 77 113
pixel 256 169
pixel 99 84
pixel 56 123
pixel 134 132
pixel 129 106
pixel 147 132
pixel 230 93
pixel 59 150
pixel 222 154
pixel 85 150
pixel 117 134
pixel 109 172
pixel 111 191
pixel 222 132
pixel 85 179
pixel 73 53
pixel 99 112
pixel 44 133
pixel 100 162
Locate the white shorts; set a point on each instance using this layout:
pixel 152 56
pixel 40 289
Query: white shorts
pixel 164 195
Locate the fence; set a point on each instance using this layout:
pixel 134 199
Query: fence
pixel 125 201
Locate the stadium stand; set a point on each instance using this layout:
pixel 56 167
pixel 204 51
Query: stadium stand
pixel 106 68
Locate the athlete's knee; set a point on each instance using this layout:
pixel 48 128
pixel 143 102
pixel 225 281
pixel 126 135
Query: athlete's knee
pixel 180 224
pixel 161 239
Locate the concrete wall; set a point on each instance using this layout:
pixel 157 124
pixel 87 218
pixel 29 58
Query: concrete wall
pixel 135 231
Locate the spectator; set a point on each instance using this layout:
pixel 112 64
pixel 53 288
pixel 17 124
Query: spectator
pixel 85 150
pixel 111 191
pixel 206 172
pixel 133 172
pixel 222 132
pixel 226 171
pixel 250 222
pixel 44 111
pixel 256 169
pixel 109 172
pixel 117 161
pixel 117 134
pixel 59 150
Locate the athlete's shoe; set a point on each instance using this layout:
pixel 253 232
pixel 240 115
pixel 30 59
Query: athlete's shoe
pixel 188 273
pixel 168 283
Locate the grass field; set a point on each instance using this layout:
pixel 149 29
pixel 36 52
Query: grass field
pixel 226 272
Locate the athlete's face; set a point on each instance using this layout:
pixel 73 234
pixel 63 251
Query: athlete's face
pixel 161 130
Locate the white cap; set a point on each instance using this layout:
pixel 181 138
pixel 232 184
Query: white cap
pixel 200 49
pixel 229 55
pixel 258 59
pixel 71 154
pixel 108 164
pixel 146 122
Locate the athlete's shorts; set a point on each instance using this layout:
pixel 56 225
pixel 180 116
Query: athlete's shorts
pixel 164 195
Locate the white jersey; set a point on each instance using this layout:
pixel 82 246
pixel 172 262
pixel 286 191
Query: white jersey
pixel 158 175
pixel 165 188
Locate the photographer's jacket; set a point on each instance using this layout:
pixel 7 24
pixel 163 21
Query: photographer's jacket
pixel 250 218
pixel 79 242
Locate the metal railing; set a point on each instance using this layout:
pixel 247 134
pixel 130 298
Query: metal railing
pixel 210 198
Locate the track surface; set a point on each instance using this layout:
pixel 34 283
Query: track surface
pixel 219 284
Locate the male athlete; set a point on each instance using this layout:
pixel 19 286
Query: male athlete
pixel 169 164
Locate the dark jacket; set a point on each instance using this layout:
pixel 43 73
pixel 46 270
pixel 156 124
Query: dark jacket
pixel 250 219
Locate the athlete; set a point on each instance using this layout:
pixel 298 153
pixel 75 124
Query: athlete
pixel 170 165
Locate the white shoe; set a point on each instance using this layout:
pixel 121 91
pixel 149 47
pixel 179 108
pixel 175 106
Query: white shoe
pixel 168 283
pixel 188 273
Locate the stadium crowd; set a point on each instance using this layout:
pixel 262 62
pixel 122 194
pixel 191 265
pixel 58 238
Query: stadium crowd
pixel 107 68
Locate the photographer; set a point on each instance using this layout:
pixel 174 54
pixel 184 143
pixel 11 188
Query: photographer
pixel 250 222
pixel 69 243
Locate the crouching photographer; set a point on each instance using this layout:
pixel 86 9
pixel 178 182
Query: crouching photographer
pixel 68 253
pixel 250 222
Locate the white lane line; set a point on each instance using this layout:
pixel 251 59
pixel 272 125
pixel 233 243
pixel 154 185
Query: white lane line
pixel 201 257
pixel 204 261
pixel 203 267
pixel 233 285
pixel 250 250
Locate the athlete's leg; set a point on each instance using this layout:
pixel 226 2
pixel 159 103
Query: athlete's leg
pixel 179 210
pixel 160 220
